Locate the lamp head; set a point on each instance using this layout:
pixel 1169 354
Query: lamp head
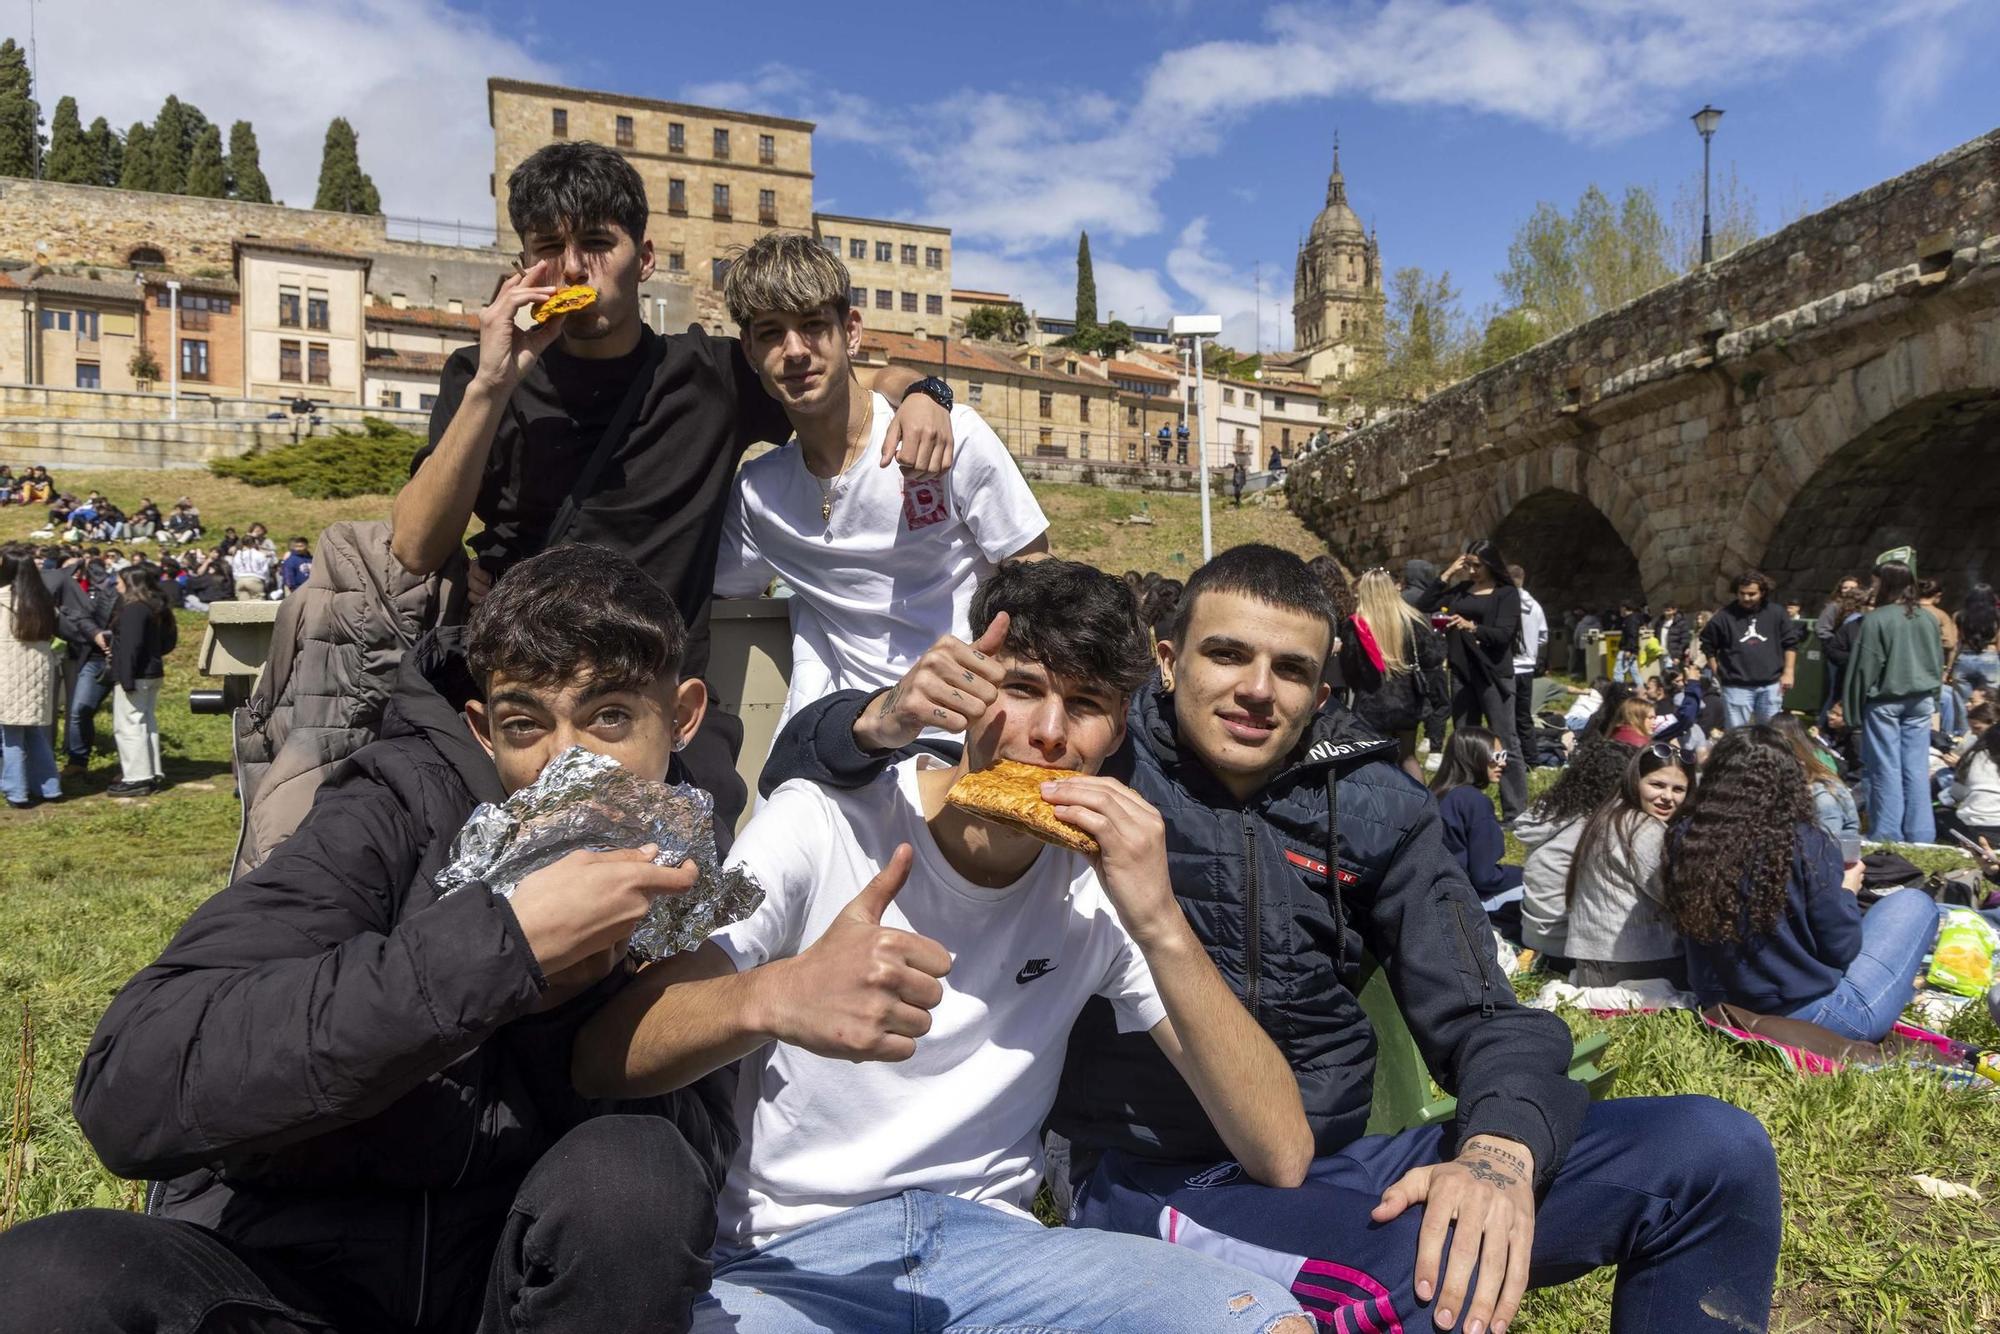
pixel 1706 119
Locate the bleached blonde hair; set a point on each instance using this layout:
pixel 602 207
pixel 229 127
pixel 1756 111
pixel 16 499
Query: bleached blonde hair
pixel 1380 603
pixel 784 273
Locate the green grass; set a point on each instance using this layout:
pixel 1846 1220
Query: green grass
pixel 92 888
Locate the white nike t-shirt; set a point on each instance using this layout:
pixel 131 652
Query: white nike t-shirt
pixel 963 1117
pixel 891 569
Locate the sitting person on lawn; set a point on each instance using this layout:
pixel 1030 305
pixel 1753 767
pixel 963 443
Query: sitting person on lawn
pixel 901 1046
pixel 879 564
pixel 1549 830
pixel 1295 843
pixel 1618 930
pixel 353 1096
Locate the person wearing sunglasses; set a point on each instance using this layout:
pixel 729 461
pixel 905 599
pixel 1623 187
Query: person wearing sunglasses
pixel 1474 760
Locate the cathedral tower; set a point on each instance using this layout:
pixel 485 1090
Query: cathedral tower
pixel 1337 300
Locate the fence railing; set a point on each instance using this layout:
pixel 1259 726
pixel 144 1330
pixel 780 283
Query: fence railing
pixel 430 231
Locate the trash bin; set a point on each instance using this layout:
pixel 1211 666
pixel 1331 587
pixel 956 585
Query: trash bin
pixel 1600 654
pixel 1808 690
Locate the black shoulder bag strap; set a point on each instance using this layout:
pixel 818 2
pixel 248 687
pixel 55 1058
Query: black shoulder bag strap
pixel 607 444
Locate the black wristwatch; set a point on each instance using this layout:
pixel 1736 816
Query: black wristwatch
pixel 933 388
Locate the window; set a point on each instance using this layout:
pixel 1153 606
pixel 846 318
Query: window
pixel 767 207
pixel 722 145
pixel 720 203
pixel 933 304
pixel 1070 366
pixel 767 149
pixel 1034 362
pixel 145 255
pixel 1249 399
pixel 885 252
pixel 933 257
pixel 1277 402
pixel 1083 407
pixel 884 299
pixel 1047 440
pixel 909 303
pixel 831 243
pixel 288 307
pixel 857 249
pixel 1285 438
pixel 975 392
pixel 1240 441
pixel 86 375
pixel 1131 415
pixel 1083 445
pixel 625 136
pixel 677 197
pixel 319 364
pixel 194 359
pixel 1048 404
pixel 909 254
pixel 559 127
pixel 288 361
pixel 55 319
pixel 857 298
pixel 677 137
pixel 393 398
pixel 1322 407
pixel 316 311
pixel 718 269
pixel 427 401
pixel 1228 394
pixel 677 261
pixel 86 325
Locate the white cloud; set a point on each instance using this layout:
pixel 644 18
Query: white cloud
pixel 1219 288
pixel 410 75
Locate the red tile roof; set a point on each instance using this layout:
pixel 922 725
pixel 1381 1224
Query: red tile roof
pixel 393 361
pixel 426 317
pixel 964 357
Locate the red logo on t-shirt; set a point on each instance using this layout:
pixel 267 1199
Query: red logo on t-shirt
pixel 925 503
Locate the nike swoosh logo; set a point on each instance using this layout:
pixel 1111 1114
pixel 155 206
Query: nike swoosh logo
pixel 1033 969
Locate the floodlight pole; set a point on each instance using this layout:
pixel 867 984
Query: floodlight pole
pixel 1201 453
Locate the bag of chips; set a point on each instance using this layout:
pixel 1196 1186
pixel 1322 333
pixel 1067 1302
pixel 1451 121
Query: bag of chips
pixel 1962 963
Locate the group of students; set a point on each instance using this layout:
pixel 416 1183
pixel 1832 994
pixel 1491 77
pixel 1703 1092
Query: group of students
pixel 31 486
pixel 366 1106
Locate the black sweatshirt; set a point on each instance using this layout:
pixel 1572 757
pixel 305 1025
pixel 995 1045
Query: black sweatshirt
pixel 140 642
pixel 1749 647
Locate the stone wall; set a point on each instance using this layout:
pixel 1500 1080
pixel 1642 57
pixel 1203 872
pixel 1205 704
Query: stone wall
pixel 1693 421
pixel 88 224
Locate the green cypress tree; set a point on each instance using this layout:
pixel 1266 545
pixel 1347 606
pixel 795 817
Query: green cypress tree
pixel 343 186
pixel 205 175
pixel 136 171
pixel 170 148
pixel 1086 286
pixel 20 117
pixel 246 176
pixel 107 152
pixel 69 158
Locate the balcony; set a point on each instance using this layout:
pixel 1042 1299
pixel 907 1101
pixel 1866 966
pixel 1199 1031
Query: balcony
pixel 767 216
pixel 721 213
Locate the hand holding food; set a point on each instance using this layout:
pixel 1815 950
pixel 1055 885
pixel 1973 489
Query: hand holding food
pixel 1010 793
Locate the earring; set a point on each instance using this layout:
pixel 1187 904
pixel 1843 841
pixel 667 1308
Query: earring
pixel 680 744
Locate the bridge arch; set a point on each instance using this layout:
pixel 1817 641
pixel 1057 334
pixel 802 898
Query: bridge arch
pixel 1901 449
pixel 1578 528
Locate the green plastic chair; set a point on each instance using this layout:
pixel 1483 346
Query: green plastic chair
pixel 1402 1094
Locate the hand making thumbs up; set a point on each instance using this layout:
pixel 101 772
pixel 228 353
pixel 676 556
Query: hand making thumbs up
pixel 864 991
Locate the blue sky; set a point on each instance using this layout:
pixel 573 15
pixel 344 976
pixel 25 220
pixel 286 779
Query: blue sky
pixel 1192 140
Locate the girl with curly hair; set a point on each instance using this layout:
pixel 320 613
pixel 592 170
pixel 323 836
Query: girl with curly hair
pixel 1769 915
pixel 1549 830
pixel 1618 927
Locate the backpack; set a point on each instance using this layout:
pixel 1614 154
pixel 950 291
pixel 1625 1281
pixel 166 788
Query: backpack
pixel 1398 703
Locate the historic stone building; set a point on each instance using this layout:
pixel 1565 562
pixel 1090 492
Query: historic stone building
pixel 900 271
pixel 1337 297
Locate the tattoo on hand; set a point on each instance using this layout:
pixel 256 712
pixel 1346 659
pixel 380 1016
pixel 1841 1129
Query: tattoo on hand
pixel 890 700
pixel 1491 1175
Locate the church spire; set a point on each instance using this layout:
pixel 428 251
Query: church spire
pixel 1336 184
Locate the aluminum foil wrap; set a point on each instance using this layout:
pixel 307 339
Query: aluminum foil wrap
pixel 586 802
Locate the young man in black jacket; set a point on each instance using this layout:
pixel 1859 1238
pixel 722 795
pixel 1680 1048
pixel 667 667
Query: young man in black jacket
pixel 1266 800
pixel 85 601
pixel 352 1095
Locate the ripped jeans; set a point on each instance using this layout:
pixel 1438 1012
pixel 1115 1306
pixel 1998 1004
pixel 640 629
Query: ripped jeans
pixel 926 1262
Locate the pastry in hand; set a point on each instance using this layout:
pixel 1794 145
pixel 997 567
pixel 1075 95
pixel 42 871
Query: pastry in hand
pixel 563 302
pixel 1010 793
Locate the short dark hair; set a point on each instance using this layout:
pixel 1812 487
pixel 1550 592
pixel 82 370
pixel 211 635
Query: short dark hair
pixel 1074 619
pixel 576 184
pixel 1268 574
pixel 577 612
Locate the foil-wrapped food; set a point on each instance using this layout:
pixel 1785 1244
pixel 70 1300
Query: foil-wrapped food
pixel 586 802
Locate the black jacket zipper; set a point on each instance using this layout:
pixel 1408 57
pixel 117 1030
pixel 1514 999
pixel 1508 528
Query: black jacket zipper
pixel 1472 960
pixel 1253 959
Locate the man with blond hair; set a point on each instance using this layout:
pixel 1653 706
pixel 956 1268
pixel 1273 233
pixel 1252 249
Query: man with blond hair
pixel 880 563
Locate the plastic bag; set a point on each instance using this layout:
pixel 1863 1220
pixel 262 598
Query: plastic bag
pixel 1962 963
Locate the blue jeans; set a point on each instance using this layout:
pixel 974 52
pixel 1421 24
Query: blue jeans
pixel 1680 1193
pixel 925 1262
pixel 1742 704
pixel 93 683
pixel 1975 669
pixel 28 764
pixel 1895 754
pixel 1895 935
pixel 1951 713
pixel 1626 668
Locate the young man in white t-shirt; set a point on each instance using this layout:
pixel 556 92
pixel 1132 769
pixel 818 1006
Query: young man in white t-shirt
pixel 880 564
pixel 901 1046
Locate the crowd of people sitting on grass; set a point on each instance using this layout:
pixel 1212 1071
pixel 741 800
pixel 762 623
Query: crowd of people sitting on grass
pixel 1133 977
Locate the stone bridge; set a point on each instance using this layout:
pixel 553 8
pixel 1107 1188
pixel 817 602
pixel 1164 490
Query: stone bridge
pixel 1815 398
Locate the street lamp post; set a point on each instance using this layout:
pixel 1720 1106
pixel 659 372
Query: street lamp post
pixel 1195 328
pixel 1705 121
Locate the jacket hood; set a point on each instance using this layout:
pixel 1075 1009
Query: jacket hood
pixel 1334 740
pixel 1417 573
pixel 1533 833
pixel 432 687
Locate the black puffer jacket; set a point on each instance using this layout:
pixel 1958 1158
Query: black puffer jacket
pixel 1251 877
pixel 335 1065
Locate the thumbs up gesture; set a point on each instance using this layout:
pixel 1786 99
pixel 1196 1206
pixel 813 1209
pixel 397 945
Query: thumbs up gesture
pixel 951 687
pixel 864 991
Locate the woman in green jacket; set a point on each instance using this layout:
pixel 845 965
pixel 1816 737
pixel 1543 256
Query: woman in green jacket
pixel 1891 689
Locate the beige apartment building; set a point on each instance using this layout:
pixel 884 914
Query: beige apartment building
pixel 68 331
pixel 303 319
pixel 715 179
pixel 406 351
pixel 1292 415
pixel 1039 412
pixel 900 272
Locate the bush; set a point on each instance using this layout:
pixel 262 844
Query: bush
pixel 374 461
